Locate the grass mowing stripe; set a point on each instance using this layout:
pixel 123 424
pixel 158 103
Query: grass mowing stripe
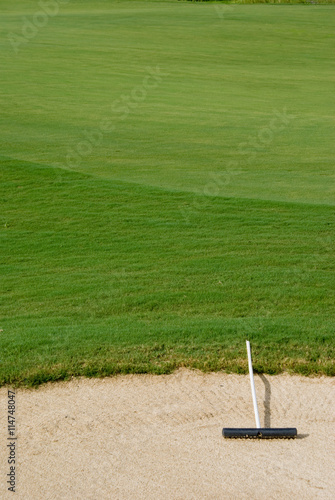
pixel 103 277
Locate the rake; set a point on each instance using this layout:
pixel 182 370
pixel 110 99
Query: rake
pixel 258 432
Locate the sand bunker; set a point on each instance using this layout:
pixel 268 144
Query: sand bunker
pixel 159 437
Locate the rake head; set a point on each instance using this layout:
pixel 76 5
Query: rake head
pixel 288 433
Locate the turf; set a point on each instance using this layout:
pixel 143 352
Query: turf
pixel 146 228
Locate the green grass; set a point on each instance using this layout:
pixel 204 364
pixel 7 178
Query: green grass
pixel 276 2
pixel 199 219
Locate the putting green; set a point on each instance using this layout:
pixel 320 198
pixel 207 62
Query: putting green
pixel 185 96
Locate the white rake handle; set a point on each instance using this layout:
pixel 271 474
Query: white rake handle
pixel 252 383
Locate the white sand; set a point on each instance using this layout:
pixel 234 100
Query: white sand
pixel 159 437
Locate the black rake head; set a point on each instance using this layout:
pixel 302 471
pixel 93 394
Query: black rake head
pixel 288 433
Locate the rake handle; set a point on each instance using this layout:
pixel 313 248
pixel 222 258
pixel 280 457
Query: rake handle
pixel 252 383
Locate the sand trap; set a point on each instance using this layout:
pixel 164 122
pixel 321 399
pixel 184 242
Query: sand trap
pixel 159 437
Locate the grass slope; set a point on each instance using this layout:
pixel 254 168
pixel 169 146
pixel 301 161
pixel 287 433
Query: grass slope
pixel 103 277
pixel 149 227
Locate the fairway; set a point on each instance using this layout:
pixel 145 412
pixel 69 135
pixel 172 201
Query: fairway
pixel 167 188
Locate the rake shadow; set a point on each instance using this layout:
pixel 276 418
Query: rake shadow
pixel 267 401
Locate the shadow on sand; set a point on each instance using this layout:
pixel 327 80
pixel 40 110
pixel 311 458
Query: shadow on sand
pixel 267 406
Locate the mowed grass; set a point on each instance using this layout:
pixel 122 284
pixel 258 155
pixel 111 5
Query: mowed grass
pixel 202 217
pixel 245 93
pixel 104 277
